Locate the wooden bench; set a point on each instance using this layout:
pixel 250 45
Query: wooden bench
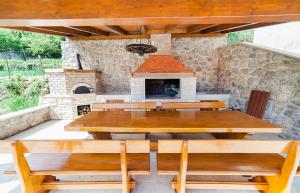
pixel 123 106
pixel 115 101
pixel 261 160
pixel 80 157
pixel 192 105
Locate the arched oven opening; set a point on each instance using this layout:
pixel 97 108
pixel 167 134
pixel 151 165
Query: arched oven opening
pixel 82 88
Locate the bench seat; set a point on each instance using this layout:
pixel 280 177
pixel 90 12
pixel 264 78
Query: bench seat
pixel 222 164
pixel 84 163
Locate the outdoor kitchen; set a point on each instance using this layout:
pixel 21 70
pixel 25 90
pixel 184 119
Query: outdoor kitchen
pixel 183 70
pixel 171 78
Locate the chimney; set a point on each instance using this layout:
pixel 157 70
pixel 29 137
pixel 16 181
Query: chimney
pixel 162 42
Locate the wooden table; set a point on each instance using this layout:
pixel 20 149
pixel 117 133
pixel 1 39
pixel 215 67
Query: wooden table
pixel 227 122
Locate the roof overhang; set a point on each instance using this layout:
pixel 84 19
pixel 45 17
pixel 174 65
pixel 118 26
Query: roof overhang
pixel 111 17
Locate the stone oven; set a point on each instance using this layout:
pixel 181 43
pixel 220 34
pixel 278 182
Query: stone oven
pixel 72 91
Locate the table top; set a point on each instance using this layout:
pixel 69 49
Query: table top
pixel 171 121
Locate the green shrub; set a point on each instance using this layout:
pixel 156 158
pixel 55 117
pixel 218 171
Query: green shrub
pixel 16 86
pixel 19 102
pixel 37 87
pixel 21 94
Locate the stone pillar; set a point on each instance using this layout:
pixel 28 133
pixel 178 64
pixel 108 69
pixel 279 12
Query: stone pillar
pixel 162 42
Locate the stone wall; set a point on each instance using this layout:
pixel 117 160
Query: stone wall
pixel 243 67
pixel 116 65
pixel 13 123
pixel 200 55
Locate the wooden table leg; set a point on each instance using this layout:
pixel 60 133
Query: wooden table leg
pixel 100 135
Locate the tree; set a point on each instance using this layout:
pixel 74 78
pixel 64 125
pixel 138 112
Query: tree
pixel 38 44
pixel 32 43
pixel 9 40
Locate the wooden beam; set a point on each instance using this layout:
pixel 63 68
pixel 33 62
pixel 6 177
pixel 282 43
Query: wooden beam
pixel 199 28
pixel 35 30
pixel 198 35
pixel 223 27
pixel 117 37
pixel 171 28
pixel 155 12
pixel 89 29
pixel 162 31
pixel 115 29
pixel 111 37
pixel 64 30
pixel 253 26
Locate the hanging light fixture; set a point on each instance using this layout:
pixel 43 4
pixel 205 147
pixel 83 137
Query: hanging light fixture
pixel 141 48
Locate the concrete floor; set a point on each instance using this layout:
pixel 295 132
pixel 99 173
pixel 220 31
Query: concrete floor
pixel 145 184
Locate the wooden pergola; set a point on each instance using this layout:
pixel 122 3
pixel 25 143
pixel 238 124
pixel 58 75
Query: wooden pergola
pixel 119 19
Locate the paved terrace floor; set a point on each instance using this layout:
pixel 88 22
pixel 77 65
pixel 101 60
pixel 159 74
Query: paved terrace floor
pixel 145 184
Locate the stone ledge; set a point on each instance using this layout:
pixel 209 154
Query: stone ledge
pixel 60 70
pixel 269 49
pixel 13 123
pixel 23 112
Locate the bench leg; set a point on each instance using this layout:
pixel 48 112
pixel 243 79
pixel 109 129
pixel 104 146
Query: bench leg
pixel 33 184
pixel 273 182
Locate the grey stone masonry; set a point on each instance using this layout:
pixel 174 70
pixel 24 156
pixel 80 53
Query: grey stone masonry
pixel 162 42
pixel 116 65
pixel 244 67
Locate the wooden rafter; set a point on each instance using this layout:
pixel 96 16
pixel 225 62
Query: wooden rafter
pixel 111 37
pixel 198 35
pixel 36 30
pixel 89 29
pixel 199 28
pixel 115 29
pixel 255 25
pixel 155 12
pixel 223 27
pixel 65 30
pixel 171 28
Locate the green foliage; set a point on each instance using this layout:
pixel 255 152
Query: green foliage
pixel 242 36
pixel 36 88
pixel 10 40
pixel 16 86
pixel 21 93
pixel 32 44
pixel 38 44
pixel 19 102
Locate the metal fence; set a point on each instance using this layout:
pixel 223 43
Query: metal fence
pixel 18 62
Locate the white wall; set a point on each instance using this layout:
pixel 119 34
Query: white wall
pixel 284 37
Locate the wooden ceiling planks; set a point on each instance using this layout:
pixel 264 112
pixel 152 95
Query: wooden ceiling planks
pixel 116 17
pixel 155 12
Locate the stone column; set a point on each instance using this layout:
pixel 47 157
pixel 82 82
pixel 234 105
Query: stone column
pixel 162 42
